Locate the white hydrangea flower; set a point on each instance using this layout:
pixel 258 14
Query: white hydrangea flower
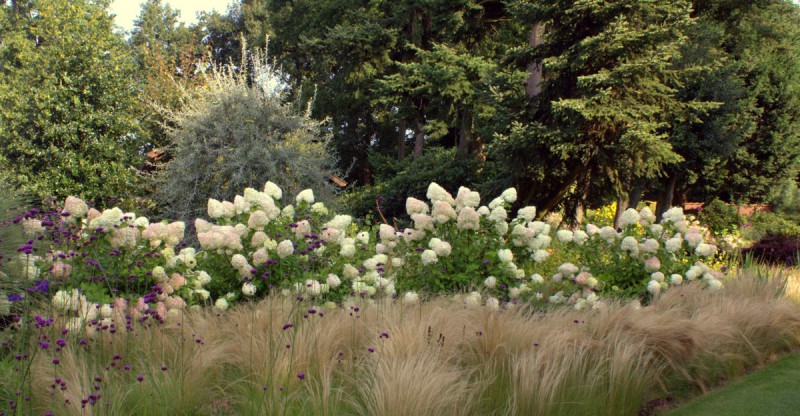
pixel 493 303
pixel 437 193
pixel 274 191
pixel 422 222
pixel 675 279
pixel 630 245
pixel 333 281
pixel 442 248
pixel 537 279
pixel 509 195
pixel 341 222
pixel 221 304
pixel 498 214
pixel 313 287
pixel 673 244
pixel 363 237
pixel 540 255
pixel 429 257
pixel 306 195
pixel 657 276
pixel 608 233
pixel 484 211
pixel 285 248
pixel 650 245
pixel 76 207
pixel 467 198
pixel 568 269
pixel 674 214
pixel 653 287
pixel 108 219
pixel 248 289
pixel 319 208
pixel 656 229
pixel 629 217
pixel 527 213
pixel 714 284
pixel 410 298
pixel 258 220
pixel 580 237
pixel 347 250
pixel 501 228
pixel 240 205
pixel 592 229
pixel 203 278
pixel 490 282
pixel 287 212
pixel 505 255
pixel 705 250
pixel 565 236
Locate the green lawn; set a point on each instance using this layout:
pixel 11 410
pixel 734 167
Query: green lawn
pixel 772 391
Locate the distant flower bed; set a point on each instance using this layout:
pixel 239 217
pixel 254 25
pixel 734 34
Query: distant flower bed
pixel 90 263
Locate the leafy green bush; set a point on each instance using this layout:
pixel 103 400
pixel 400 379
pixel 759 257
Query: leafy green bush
pixel 396 181
pixel 719 217
pixel 769 224
pixel 236 134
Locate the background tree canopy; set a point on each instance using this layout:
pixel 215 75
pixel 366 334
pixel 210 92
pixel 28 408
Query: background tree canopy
pixel 575 103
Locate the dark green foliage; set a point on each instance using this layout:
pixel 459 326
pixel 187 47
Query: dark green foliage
pixel 719 217
pixel 236 133
pixel 397 181
pixel 69 114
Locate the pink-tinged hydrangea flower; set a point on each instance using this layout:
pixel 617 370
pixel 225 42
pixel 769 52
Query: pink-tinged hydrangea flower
pixel 75 207
pixel 443 212
pixel 422 222
pixel 257 220
pixel 646 217
pixel 176 281
pixel 301 229
pixel 650 245
pixel 332 235
pixel 592 229
pixel 467 198
pixel 386 232
pixel 583 278
pixel 202 225
pixel 240 205
pixel 174 302
pixel 693 237
pixel 125 237
pixel 652 264
pixel 60 270
pixel 260 256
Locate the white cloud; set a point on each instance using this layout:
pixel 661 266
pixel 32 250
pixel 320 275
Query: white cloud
pixel 127 10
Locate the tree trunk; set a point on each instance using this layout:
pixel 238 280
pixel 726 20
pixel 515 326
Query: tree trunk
pixel 401 140
pixel 465 134
pixel 635 195
pixel 623 203
pixel 419 139
pixel 666 195
pixel 534 84
pixel 559 196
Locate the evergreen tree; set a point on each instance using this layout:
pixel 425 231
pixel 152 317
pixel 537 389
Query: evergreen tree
pixel 69 114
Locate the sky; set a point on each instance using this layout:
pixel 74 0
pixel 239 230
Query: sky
pixel 127 10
